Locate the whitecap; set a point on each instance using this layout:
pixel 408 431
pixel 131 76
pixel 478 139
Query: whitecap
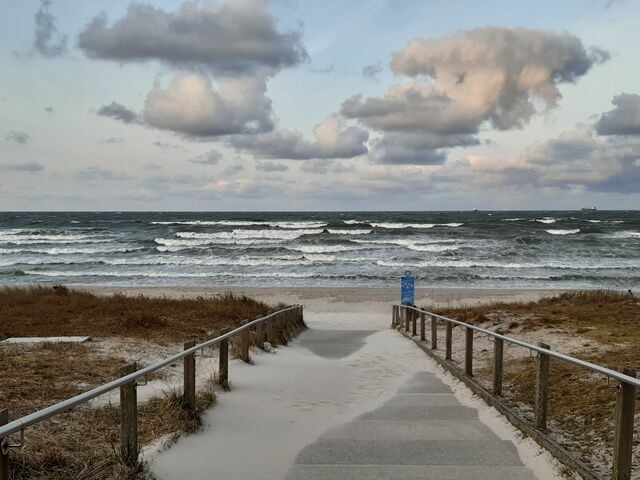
pixel 563 232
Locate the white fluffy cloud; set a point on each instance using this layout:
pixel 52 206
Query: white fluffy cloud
pixel 624 119
pixel 236 37
pixel 333 139
pixel 495 75
pixel 191 105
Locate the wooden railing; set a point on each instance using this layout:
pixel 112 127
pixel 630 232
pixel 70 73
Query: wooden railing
pixel 274 328
pixel 405 317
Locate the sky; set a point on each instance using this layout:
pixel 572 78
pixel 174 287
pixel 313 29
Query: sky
pixel 290 105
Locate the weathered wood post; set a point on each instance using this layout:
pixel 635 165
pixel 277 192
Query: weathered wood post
pixel 468 352
pixel 434 333
pixel 623 439
pixel 282 335
pixel 448 340
pixel 189 381
pixel 129 418
pixel 270 337
pixel 414 323
pixel 498 355
pixel 542 388
pixel 423 321
pixel 223 363
pixel 244 344
pixel 4 450
pixel 260 334
pixel 407 319
pixel 393 316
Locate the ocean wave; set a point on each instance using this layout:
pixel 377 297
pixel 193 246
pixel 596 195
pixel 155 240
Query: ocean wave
pixel 322 248
pixel 349 232
pixel 517 219
pixel 393 225
pixel 516 266
pixel 570 231
pixel 71 250
pixel 624 234
pixel 248 223
pixel 546 220
pixel 355 222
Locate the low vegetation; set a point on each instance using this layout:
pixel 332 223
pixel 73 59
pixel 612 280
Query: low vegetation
pixel 604 327
pixel 84 443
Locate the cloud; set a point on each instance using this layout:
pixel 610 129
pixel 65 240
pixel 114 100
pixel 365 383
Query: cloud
pixel 17 137
pixel 233 169
pixel 112 140
pixel 212 157
pixel 48 41
pixel 48 109
pixel 271 167
pixel 190 105
pixel 333 139
pixel 169 146
pixel 372 71
pixel 492 74
pixel 624 119
pixel 237 37
pixel 417 148
pixel 119 112
pixel 97 174
pixel 30 167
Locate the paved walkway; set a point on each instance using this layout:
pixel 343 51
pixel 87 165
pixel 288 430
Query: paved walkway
pixel 289 417
pixel 421 433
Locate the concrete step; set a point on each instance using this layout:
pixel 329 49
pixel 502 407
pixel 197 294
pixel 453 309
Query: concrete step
pixel 345 451
pixel 406 472
pixel 423 399
pixel 419 412
pixel 410 430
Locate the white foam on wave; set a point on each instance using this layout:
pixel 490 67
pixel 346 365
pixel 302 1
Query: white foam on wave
pixel 349 232
pixel 71 250
pixel 546 220
pixel 354 222
pixel 394 225
pixel 625 234
pixel 155 274
pixel 322 248
pixel 570 231
pixel 512 219
pixel 248 223
pixel 524 265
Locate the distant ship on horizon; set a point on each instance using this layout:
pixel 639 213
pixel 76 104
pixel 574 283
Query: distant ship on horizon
pixel 589 209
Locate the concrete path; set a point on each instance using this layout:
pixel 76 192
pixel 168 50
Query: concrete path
pixel 423 432
pixel 341 404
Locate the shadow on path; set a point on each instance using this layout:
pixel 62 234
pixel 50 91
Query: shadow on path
pixel 334 343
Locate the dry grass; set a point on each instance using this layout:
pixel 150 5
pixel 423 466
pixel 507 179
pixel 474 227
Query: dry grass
pixel 43 311
pixel 83 443
pixel 581 403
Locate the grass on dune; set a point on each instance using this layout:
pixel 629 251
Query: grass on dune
pixel 581 403
pixel 42 311
pixel 84 443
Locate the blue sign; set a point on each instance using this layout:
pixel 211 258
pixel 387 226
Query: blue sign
pixel 407 289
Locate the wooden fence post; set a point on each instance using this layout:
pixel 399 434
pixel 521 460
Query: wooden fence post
pixel 623 439
pixel 4 452
pixel 468 352
pixel 407 319
pixel 129 418
pixel 260 334
pixel 542 388
pixel 244 344
pixel 423 322
pixel 223 365
pixel 270 338
pixel 498 355
pixel 189 381
pixel 414 322
pixel 282 334
pixel 434 334
pixel 394 308
pixel 448 340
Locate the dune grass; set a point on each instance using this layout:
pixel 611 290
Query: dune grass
pixel 581 403
pixel 83 443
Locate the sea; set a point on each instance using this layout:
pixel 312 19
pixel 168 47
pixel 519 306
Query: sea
pixel 471 249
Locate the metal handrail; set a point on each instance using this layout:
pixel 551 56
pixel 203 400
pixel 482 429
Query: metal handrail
pixel 36 417
pixel 552 353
